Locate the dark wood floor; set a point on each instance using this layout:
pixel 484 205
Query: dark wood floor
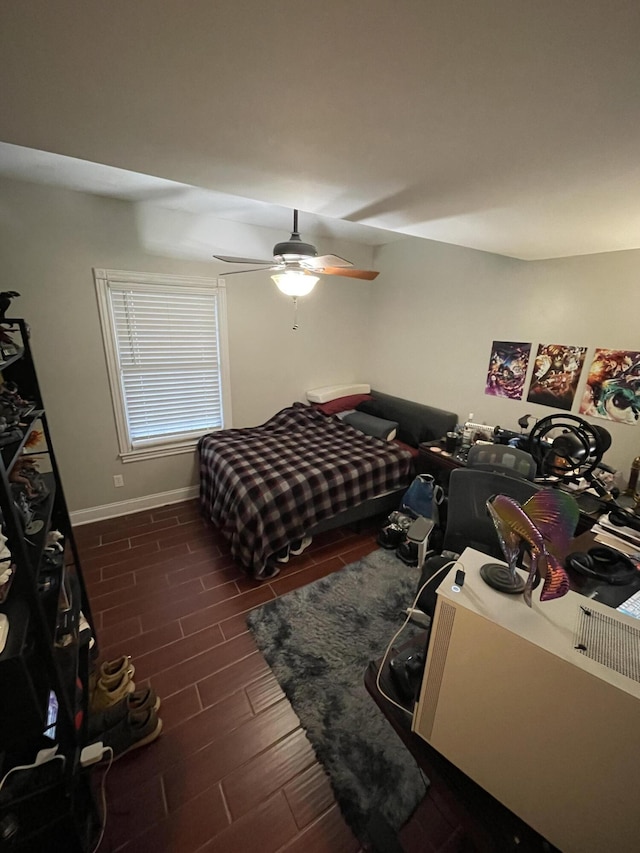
pixel 233 770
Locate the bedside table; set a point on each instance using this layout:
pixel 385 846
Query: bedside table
pixel 433 459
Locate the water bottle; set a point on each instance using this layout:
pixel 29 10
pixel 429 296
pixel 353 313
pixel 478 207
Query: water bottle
pixel 467 432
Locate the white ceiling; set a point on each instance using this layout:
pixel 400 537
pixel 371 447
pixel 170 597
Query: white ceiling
pixel 44 167
pixel 505 125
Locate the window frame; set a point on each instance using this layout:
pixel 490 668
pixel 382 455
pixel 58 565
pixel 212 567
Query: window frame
pixel 104 279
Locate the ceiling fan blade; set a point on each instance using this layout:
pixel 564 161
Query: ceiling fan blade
pixel 326 261
pixel 349 272
pixel 233 260
pixel 253 269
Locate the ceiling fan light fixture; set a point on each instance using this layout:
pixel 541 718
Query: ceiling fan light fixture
pixel 295 282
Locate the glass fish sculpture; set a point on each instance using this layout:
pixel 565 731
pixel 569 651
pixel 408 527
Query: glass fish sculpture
pixel 548 519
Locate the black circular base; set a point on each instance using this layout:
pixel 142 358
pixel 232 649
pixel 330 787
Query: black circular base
pixel 499 577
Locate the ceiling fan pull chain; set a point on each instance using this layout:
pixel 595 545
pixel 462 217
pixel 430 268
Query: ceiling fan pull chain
pixel 295 313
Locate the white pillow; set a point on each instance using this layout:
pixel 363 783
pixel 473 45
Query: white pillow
pixel 332 392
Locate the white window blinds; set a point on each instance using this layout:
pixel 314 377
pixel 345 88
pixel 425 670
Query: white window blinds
pixel 166 348
pixel 169 361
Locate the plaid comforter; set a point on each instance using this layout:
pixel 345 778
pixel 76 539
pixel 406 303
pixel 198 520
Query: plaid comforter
pixel 265 486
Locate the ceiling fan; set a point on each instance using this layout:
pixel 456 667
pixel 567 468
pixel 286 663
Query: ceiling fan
pixel 297 262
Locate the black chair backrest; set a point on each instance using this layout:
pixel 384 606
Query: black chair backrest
pixel 501 457
pixel 468 521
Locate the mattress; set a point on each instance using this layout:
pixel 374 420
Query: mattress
pixel 265 486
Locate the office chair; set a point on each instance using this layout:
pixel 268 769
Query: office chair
pixel 469 523
pixel 501 457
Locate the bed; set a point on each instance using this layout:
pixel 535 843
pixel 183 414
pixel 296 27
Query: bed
pixel 304 471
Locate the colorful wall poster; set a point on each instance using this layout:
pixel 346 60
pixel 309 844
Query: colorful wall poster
pixel 612 391
pixel 556 372
pixel 507 369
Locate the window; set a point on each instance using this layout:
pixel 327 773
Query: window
pixel 165 343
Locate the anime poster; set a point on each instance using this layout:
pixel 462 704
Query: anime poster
pixel 507 369
pixel 556 372
pixel 613 386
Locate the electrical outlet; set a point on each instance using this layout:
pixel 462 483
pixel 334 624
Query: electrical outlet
pixel 118 480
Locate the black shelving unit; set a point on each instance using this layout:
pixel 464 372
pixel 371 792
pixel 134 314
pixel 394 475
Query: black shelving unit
pixel 51 641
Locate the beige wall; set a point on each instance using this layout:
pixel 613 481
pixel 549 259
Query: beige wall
pixel 433 327
pixel 49 241
pixel 423 330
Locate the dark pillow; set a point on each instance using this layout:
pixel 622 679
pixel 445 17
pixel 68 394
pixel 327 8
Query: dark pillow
pixel 386 430
pixel 341 404
pixel 411 426
pixel 371 407
pixel 417 422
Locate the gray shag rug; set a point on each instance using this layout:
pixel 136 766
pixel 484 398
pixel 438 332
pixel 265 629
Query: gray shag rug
pixel 318 641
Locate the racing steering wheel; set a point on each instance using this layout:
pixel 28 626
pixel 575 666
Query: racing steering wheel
pixel 568 447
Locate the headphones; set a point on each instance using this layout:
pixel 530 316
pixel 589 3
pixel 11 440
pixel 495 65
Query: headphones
pixel 604 564
pixel 623 518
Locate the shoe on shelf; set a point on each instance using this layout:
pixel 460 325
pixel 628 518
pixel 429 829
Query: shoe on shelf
pixel 143 699
pixel 136 728
pixel 114 668
pixel 300 545
pixel 109 671
pixel 105 695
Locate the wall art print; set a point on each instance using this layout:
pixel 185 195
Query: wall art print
pixel 556 373
pixel 508 364
pixel 612 391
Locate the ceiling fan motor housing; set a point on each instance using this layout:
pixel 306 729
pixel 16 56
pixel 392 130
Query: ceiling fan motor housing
pixel 294 249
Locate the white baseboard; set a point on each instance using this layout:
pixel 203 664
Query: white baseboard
pixel 99 513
